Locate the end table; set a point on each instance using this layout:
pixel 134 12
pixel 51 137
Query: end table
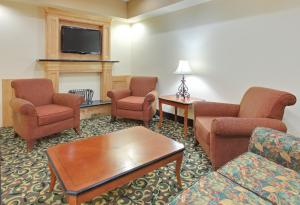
pixel 177 103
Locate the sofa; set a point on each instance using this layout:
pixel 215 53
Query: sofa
pixel 136 102
pixel 223 130
pixel 269 173
pixel 38 111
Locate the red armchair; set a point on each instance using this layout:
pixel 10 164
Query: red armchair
pixel 223 130
pixel 136 102
pixel 38 111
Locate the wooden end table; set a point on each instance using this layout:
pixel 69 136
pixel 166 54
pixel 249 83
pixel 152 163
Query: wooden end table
pixel 177 103
pixel 89 167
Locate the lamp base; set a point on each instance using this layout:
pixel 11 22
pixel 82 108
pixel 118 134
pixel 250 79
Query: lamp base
pixel 183 90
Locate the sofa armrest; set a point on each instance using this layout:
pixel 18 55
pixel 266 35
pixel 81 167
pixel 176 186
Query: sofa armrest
pixel 151 96
pixel 23 107
pixel 215 109
pixel 243 127
pixel 118 93
pixel 68 99
pixel 276 146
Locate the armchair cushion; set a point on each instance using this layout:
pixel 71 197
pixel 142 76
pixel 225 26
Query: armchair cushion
pixel 118 94
pixel 67 99
pixel 131 103
pixel 215 109
pixel 231 126
pixel 52 113
pixel 141 86
pixel 37 91
pixel 265 103
pixel 23 107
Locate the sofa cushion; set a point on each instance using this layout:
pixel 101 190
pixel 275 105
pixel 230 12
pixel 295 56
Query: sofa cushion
pixel 216 189
pixel 48 114
pixel 279 147
pixel 267 179
pixel 131 103
pixel 203 127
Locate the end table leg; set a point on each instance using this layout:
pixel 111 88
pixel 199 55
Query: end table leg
pixel 160 115
pixel 185 121
pixel 175 114
pixel 178 166
pixel 52 180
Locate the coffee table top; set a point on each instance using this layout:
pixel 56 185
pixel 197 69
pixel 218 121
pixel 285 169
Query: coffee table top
pixel 88 163
pixel 181 100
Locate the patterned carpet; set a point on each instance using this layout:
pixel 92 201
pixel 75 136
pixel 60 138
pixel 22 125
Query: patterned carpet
pixel 25 176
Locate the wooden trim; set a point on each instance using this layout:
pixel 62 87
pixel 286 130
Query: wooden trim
pixel 77 15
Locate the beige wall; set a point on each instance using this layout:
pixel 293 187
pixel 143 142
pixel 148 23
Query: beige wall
pixel 22 42
pixel 138 7
pixel 116 8
pixel 231 44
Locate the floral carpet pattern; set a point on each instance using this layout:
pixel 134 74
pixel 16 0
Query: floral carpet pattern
pixel 25 176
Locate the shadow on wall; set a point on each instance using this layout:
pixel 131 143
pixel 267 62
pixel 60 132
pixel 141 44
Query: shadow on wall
pixel 217 11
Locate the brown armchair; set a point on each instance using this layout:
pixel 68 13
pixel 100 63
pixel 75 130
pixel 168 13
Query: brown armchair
pixel 38 111
pixel 136 102
pixel 223 130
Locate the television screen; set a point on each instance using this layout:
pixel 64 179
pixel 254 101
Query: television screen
pixel 80 40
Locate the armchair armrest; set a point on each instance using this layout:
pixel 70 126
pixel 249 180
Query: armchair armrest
pixel 215 109
pixel 243 127
pixel 276 146
pixel 118 93
pixel 67 99
pixel 23 106
pixel 151 96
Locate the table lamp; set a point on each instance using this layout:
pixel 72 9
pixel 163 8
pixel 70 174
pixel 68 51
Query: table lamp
pixel 183 69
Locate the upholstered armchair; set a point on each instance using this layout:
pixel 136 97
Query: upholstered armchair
pixel 38 111
pixel 223 130
pixel 137 102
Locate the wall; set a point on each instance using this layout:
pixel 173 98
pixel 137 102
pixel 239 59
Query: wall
pixel 116 8
pixel 231 45
pixel 22 41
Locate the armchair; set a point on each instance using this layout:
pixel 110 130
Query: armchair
pixel 38 111
pixel 223 130
pixel 136 102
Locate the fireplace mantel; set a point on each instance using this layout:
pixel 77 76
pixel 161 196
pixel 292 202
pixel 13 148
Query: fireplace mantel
pixel 54 67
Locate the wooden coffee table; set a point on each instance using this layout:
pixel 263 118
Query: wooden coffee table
pixel 87 168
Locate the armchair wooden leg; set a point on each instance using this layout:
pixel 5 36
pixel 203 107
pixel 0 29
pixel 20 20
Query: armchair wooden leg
pixel 113 119
pixel 15 134
pixel 196 143
pixel 77 130
pixel 30 144
pixel 146 124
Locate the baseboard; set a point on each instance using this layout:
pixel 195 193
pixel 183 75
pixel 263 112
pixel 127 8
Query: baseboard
pixel 180 119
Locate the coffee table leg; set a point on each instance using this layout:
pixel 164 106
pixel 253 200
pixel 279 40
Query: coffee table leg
pixel 73 200
pixel 175 114
pixel 178 166
pixel 52 180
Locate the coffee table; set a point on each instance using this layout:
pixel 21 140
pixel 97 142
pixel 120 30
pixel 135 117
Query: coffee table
pixel 89 167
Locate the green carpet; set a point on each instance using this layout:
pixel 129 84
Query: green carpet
pixel 25 176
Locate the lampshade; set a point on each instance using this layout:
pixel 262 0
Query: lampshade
pixel 183 68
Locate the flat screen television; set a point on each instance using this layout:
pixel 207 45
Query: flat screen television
pixel 80 40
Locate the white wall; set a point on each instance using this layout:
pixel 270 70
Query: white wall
pixel 22 42
pixel 231 44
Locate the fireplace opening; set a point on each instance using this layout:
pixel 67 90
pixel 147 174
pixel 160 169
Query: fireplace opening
pixel 88 94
